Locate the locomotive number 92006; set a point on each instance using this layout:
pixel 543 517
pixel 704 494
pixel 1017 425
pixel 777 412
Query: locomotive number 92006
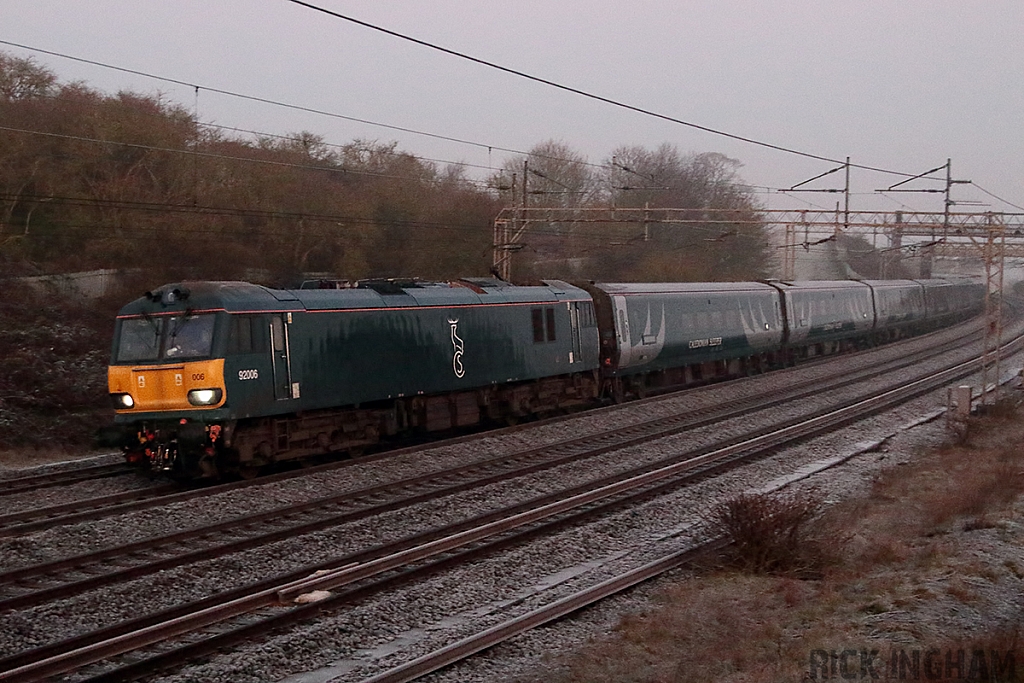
pixel 248 374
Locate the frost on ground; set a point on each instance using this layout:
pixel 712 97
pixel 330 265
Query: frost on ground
pixel 916 577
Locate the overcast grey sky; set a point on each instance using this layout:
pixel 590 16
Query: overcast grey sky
pixel 899 85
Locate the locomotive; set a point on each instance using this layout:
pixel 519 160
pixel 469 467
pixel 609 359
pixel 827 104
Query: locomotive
pixel 209 378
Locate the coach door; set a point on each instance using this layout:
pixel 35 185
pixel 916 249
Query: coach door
pixel 282 361
pixel 622 332
pixel 576 355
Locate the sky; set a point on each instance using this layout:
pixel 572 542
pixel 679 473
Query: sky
pixel 902 86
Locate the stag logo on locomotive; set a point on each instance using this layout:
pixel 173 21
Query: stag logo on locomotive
pixel 457 349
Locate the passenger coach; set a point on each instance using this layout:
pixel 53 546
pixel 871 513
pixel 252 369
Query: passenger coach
pixel 663 334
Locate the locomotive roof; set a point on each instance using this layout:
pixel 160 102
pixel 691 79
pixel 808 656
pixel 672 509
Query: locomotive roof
pixel 245 296
pixel 203 295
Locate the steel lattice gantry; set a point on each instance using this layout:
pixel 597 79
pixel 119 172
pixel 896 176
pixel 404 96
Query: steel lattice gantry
pixel 948 234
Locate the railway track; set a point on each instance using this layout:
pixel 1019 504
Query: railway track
pixel 38 519
pixel 50 581
pixel 424 553
pixel 484 639
pixel 79 511
pixel 495 635
pixel 62 478
pixel 100 507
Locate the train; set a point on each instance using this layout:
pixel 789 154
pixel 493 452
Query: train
pixel 215 378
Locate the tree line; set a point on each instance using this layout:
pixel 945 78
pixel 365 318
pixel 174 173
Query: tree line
pixel 134 181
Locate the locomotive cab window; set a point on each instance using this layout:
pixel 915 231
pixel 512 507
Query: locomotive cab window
pixel 277 333
pixel 179 336
pixel 542 331
pixel 140 339
pixel 538 325
pixel 188 336
pixel 247 335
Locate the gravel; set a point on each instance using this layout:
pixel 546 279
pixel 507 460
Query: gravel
pixel 399 624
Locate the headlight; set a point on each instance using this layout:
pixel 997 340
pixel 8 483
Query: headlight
pixel 204 397
pixel 123 401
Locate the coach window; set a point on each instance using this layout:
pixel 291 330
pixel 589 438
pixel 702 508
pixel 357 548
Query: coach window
pixel 551 324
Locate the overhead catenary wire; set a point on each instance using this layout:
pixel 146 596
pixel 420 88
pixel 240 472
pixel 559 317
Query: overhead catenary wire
pixel 192 86
pixel 608 100
pixel 293 138
pixel 256 98
pixel 213 155
pixel 139 233
pixel 221 211
pixel 194 153
pixel 994 196
pixel 216 236
pixel 277 103
pixel 488 146
pixel 587 94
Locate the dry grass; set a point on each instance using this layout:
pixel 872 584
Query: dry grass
pixel 993 656
pixel 724 614
pixel 895 566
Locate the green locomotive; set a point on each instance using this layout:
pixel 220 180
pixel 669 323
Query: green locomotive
pixel 213 377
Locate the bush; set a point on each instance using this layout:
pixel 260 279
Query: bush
pixel 53 357
pixel 765 530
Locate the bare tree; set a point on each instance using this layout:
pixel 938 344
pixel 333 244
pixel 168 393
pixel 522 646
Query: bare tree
pixel 723 237
pixel 551 174
pixel 23 79
pixel 556 175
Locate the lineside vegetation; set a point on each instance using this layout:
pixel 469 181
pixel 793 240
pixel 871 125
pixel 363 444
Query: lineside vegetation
pixel 90 180
pixel 919 578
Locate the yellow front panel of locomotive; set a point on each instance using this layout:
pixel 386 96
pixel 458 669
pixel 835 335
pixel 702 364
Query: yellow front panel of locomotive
pixel 166 387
